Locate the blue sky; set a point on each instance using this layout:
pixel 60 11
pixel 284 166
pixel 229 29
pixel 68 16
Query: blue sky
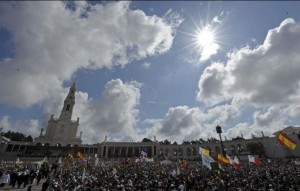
pixel 173 70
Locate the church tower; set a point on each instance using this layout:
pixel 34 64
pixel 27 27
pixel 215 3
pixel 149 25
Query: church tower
pixel 67 110
pixel 62 131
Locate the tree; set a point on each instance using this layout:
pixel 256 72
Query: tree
pixel 16 136
pixel 237 138
pixel 256 148
pixel 185 142
pixel 167 142
pixel 29 139
pixel 146 140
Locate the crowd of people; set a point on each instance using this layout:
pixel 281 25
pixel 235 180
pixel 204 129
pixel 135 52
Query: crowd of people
pixel 19 175
pixel 129 175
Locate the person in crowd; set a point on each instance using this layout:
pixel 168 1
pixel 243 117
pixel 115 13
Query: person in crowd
pixel 277 175
pixel 5 179
pixel 39 177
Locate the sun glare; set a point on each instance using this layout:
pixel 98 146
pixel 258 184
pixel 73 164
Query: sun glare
pixel 206 42
pixel 205 37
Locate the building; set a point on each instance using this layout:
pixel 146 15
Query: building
pixel 61 139
pixel 62 131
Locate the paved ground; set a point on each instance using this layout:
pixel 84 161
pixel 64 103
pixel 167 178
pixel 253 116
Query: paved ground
pixel 34 187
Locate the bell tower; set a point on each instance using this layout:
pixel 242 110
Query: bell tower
pixel 67 110
pixel 62 130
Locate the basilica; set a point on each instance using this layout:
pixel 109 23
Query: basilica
pixel 62 131
pixel 61 138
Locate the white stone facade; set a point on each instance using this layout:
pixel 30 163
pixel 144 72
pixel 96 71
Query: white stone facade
pixel 62 131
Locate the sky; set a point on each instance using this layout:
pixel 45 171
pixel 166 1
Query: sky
pixel 170 69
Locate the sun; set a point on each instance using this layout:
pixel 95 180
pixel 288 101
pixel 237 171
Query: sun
pixel 206 43
pixel 205 37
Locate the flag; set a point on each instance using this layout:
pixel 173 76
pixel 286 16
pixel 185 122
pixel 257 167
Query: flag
pixel 83 175
pixel 204 151
pixel 223 160
pixel 96 162
pixel 59 160
pixel 80 155
pixel 254 159
pixel 143 155
pixel 230 159
pixel 70 156
pixel 236 163
pixel 183 162
pixel 175 171
pixel 283 139
pixel 207 160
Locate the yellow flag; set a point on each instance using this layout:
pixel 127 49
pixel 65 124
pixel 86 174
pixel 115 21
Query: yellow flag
pixel 203 151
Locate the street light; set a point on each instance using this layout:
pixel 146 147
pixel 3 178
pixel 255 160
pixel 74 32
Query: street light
pixel 219 131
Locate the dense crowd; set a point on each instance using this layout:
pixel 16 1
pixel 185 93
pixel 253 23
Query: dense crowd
pixel 273 175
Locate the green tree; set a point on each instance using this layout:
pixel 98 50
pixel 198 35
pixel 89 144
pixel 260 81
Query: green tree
pixel 167 142
pixel 146 140
pixel 185 142
pixel 256 148
pixel 16 136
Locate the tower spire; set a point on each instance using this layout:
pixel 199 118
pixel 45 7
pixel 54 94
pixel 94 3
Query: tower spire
pixel 74 83
pixel 69 103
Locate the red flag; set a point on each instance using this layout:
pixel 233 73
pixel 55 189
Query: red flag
pixel 254 159
pixel 236 163
pixel 283 139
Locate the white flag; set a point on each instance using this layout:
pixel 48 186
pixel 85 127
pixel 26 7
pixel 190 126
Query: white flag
pixel 230 159
pixel 206 160
pixel 96 161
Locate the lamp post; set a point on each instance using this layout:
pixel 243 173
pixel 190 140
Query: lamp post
pixel 219 131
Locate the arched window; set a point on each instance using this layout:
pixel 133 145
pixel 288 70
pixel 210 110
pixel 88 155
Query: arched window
pixel 174 152
pixel 68 107
pixel 188 151
pixel 194 152
pixel 180 152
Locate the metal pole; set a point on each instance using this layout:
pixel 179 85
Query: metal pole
pixel 219 131
pixel 222 145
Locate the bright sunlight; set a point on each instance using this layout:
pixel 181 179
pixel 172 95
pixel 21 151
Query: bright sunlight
pixel 205 37
pixel 206 42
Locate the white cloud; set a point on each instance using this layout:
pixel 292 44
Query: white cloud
pixel 115 114
pixel 52 43
pixel 208 51
pixel 264 76
pixel 216 19
pixel 146 65
pixel 267 122
pixel 27 127
pixel 184 123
